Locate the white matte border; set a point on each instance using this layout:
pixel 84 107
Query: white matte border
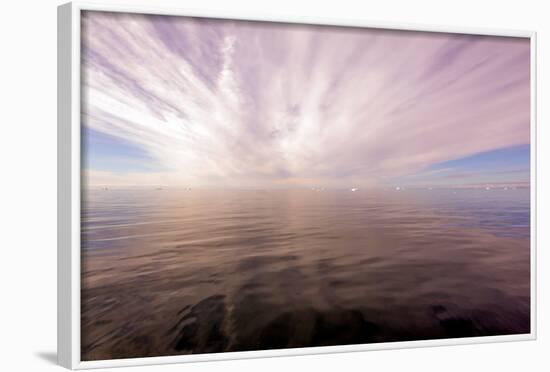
pixel 69 187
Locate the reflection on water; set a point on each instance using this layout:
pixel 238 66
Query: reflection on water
pixel 168 272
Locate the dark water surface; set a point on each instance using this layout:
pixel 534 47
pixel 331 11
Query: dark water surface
pixel 168 272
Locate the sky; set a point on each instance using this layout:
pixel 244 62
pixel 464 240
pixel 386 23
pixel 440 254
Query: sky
pixel 192 102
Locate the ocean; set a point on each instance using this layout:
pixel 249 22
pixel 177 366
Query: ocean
pixel 178 271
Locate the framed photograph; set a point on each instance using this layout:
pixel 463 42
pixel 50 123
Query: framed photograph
pixel 243 186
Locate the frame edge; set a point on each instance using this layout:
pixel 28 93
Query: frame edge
pixel 534 181
pixel 64 217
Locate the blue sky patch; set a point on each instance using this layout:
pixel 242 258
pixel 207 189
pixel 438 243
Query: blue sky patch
pixel 103 152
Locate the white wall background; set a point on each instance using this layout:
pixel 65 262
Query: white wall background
pixel 28 183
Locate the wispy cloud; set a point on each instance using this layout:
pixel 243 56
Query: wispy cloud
pixel 244 103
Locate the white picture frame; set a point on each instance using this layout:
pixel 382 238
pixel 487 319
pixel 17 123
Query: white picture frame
pixel 69 188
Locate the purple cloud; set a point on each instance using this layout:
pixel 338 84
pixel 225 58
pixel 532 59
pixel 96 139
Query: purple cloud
pixel 257 103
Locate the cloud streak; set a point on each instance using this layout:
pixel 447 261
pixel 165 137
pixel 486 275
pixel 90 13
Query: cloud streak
pixel 236 103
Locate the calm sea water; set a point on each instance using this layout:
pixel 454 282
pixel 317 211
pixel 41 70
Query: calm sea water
pixel 167 272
